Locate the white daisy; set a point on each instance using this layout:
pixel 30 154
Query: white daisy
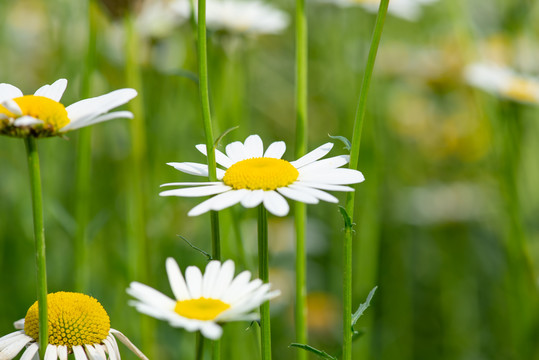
pixel 78 324
pixel 42 115
pixel 504 82
pixel 203 301
pixel 253 177
pixel 406 9
pixel 240 17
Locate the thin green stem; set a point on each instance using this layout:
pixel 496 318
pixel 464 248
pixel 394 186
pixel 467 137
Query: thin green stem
pixel 300 210
pixel 216 350
pixel 263 273
pixel 199 346
pixel 354 159
pixel 84 153
pixel 39 237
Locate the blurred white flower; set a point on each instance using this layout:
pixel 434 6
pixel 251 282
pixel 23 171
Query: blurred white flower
pixel 158 20
pixel 503 81
pixel 406 9
pixel 240 17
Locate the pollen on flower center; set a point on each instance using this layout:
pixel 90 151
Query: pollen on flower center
pixel 201 308
pixel 74 319
pixel 52 113
pixel 260 174
pixel 523 90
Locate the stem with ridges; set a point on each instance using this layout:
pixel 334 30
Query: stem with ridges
pixel 263 273
pixel 39 237
pixel 354 158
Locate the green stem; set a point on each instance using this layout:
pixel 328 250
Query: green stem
pixel 216 350
pixel 84 153
pixel 350 199
pixel 39 237
pixel 300 210
pixel 263 273
pixel 199 346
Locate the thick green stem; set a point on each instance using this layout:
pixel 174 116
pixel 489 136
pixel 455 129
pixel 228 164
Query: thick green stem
pixel 263 273
pixel 39 237
pixel 84 153
pixel 199 346
pixel 354 159
pixel 300 211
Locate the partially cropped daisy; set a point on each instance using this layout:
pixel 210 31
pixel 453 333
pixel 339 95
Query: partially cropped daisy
pixel 78 325
pixel 406 9
pixel 253 176
pixel 504 82
pixel 42 114
pixel 202 302
pixel 240 17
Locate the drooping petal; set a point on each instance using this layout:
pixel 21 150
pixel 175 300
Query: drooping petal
pixel 197 191
pixel 275 203
pixel 314 155
pixel 211 330
pixel 53 91
pixel 62 352
pixel 176 280
pixel 13 346
pixel 8 91
pixel 128 343
pixel 220 158
pixel 79 353
pixel 219 202
pixel 275 150
pixel 31 351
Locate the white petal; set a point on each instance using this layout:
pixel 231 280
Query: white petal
pixel 176 280
pixel 193 278
pixel 276 150
pixel 77 124
pixel 6 339
pixel 275 203
pixel 19 324
pixel 92 107
pixel 329 163
pixel 12 107
pixel 128 343
pixel 31 351
pixel 323 186
pixel 197 191
pixel 100 350
pixel 158 313
pixel 192 183
pixel 150 296
pixel 252 199
pixel 195 169
pixel 62 352
pixel 223 280
pixel 235 151
pixel 322 195
pixel 220 158
pixel 13 346
pixel 243 292
pixel 110 349
pixel 51 353
pixel 335 176
pixel 27 121
pixel 210 276
pixel 211 330
pixel 112 340
pixel 79 353
pixel 91 352
pixel 54 91
pixel 238 283
pixel 8 91
pixel 298 195
pixel 219 202
pixel 314 155
pixel 253 146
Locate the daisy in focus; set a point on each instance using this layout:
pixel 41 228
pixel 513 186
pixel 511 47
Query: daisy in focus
pixel 78 325
pixel 254 176
pixel 405 9
pixel 504 82
pixel 42 115
pixel 203 301
pixel 239 17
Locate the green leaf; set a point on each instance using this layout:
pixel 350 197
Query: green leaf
pixel 363 307
pixel 319 353
pixel 348 224
pixel 345 141
pixel 196 248
pixel 218 140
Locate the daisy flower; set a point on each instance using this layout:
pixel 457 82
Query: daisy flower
pixel 504 82
pixel 240 17
pixel 254 176
pixel 78 324
pixel 405 9
pixel 42 115
pixel 202 302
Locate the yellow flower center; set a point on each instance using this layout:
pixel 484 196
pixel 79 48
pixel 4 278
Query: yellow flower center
pixel 201 308
pixel 522 90
pixel 52 113
pixel 260 174
pixel 74 319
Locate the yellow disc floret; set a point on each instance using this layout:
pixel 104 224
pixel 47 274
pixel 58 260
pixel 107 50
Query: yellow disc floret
pixel 260 174
pixel 52 113
pixel 74 319
pixel 520 89
pixel 201 308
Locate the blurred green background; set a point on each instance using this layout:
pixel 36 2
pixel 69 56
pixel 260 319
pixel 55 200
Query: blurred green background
pixel 447 223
